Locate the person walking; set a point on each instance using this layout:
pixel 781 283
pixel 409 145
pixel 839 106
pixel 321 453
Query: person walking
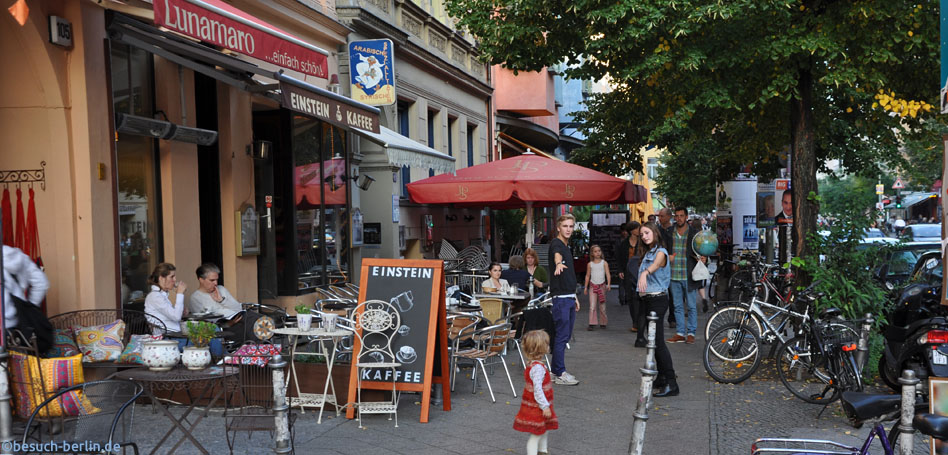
pixel 536 414
pixel 563 290
pixel 597 274
pixel 654 277
pixel 635 250
pixel 666 225
pixel 684 289
pixel 623 238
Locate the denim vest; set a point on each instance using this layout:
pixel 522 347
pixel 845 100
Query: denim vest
pixel 659 280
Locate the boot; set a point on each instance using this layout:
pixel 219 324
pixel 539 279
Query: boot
pixel 669 390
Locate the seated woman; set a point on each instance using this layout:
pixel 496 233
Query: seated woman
pixel 495 283
pixel 211 297
pixel 537 272
pixel 516 275
pixel 158 303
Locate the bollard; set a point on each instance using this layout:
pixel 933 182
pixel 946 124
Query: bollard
pixel 645 392
pixel 862 352
pixel 906 430
pixel 6 418
pixel 280 408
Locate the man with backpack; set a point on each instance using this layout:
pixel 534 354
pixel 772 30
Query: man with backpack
pixel 24 287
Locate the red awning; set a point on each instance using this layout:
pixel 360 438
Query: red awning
pixel 216 22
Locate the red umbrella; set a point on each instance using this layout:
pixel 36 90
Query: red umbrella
pixel 527 180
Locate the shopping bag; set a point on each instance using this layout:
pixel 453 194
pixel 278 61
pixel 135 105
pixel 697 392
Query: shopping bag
pixel 700 272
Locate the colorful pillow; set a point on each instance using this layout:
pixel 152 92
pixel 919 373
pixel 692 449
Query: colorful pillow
pixel 64 344
pixel 253 354
pixel 101 343
pixel 133 352
pixel 57 373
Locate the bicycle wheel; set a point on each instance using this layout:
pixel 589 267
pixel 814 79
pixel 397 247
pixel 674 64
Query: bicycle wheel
pixel 734 283
pixel 848 372
pixel 730 314
pixel 732 354
pixel 803 371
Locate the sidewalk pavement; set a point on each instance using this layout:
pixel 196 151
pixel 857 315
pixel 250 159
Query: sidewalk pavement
pixel 595 416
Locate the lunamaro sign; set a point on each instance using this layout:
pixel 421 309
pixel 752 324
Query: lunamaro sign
pixel 324 108
pixel 216 22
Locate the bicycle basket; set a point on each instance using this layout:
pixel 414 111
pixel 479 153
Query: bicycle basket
pixel 775 446
pixel 838 334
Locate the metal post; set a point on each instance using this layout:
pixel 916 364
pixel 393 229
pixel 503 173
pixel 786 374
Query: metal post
pixel 862 351
pixel 6 418
pixel 280 408
pixel 906 430
pixel 645 392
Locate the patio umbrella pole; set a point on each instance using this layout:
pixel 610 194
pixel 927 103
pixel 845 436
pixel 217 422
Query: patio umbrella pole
pixel 529 242
pixel 6 419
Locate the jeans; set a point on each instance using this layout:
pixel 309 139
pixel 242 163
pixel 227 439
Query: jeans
pixel 681 295
pixel 663 359
pixel 564 314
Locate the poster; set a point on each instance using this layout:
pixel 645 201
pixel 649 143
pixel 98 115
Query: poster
pixel 725 230
pixel 372 72
pixel 357 228
pixel 740 200
pixel 751 235
pixel 766 211
pixel 938 404
pixel 783 201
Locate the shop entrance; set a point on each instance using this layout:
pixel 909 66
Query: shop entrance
pixel 209 173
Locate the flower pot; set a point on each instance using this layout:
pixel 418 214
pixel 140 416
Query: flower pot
pixel 160 355
pixel 304 321
pixel 196 358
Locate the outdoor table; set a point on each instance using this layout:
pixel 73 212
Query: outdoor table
pixel 314 400
pixel 518 297
pixel 181 378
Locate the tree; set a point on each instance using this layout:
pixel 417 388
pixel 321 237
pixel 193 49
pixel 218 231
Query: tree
pixel 851 194
pixel 742 78
pixel 696 189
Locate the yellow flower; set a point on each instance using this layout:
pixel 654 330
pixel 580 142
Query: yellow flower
pixel 849 110
pixel 910 33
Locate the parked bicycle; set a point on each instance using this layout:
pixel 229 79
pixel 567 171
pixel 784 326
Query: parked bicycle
pixel 771 280
pixel 732 312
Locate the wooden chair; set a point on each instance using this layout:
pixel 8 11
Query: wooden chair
pixel 376 324
pixel 249 406
pixel 493 309
pixel 491 343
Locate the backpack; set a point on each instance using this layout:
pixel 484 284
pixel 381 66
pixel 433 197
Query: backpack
pixel 32 321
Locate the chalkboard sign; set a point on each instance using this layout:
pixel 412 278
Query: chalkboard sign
pixel 604 230
pixel 416 289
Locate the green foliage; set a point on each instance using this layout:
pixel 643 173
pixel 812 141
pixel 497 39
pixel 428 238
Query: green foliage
pixel 844 268
pixel 688 178
pixel 849 193
pixel 511 226
pixel 302 309
pixel 583 213
pixel 201 333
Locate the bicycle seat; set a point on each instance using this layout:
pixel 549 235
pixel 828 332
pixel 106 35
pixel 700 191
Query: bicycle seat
pixel 861 406
pixel 830 313
pixel 933 425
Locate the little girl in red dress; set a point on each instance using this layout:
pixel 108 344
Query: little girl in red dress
pixel 536 414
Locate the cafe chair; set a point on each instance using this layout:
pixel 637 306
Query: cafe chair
pixel 376 323
pixel 516 326
pixel 456 323
pixel 248 401
pixel 489 348
pixel 493 309
pixel 100 413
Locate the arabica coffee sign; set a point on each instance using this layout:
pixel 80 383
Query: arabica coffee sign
pixel 218 23
pixel 338 113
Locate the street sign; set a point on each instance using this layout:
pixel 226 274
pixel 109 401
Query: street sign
pixel 898 185
pixel 880 206
pixel 880 188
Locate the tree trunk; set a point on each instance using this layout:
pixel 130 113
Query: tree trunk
pixel 803 166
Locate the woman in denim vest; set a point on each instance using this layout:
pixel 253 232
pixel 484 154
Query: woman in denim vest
pixel 654 278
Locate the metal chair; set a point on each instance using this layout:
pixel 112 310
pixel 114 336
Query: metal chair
pixel 493 309
pixel 516 325
pixel 376 324
pixel 491 343
pixel 105 411
pixel 249 406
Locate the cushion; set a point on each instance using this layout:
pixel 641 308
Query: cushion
pixel 253 354
pixel 133 352
pixel 57 373
pixel 101 343
pixel 64 343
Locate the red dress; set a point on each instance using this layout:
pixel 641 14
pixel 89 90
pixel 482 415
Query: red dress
pixel 530 417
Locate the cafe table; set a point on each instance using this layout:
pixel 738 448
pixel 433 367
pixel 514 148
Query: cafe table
pixel 319 335
pixel 215 379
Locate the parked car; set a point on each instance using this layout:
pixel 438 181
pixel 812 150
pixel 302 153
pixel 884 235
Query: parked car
pixel 901 262
pixel 875 235
pixel 921 233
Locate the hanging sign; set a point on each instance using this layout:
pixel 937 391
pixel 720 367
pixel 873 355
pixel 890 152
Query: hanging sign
pixel 416 289
pixel 372 72
pixel 880 188
pixel 328 109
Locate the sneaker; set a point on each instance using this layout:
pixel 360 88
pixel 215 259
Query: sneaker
pixel 690 339
pixel 676 339
pixel 565 379
pixel 591 328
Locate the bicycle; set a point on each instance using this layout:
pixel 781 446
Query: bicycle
pixel 730 312
pixel 820 360
pixel 737 343
pixel 759 273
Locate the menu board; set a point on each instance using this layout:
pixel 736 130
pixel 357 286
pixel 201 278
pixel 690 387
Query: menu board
pixel 605 230
pixel 415 288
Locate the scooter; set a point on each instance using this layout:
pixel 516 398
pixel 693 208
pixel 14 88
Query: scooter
pixel 916 336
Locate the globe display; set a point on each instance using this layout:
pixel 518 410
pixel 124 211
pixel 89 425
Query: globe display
pixel 705 243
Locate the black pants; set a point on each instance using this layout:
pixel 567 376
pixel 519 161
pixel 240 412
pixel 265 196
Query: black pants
pixel 659 304
pixel 638 313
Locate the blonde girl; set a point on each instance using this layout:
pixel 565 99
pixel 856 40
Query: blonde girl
pixel 536 414
pixel 597 274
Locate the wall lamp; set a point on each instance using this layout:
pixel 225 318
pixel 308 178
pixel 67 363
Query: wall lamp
pixel 363 181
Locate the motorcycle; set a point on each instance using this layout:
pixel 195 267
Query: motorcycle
pixel 916 336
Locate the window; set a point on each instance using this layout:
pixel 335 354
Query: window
pixel 136 172
pixel 471 131
pixel 404 128
pixel 452 124
pixel 652 168
pixel 432 121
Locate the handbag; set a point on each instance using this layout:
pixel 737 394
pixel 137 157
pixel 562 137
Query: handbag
pixel 700 272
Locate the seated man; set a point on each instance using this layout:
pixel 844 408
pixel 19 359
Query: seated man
pixel 215 299
pixel 516 275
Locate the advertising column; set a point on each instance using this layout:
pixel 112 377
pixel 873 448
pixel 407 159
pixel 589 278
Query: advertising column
pixel 737 213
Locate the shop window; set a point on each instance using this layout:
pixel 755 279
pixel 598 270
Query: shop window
pixel 136 173
pixel 321 194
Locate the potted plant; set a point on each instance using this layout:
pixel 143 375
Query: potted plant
pixel 304 318
pixel 198 355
